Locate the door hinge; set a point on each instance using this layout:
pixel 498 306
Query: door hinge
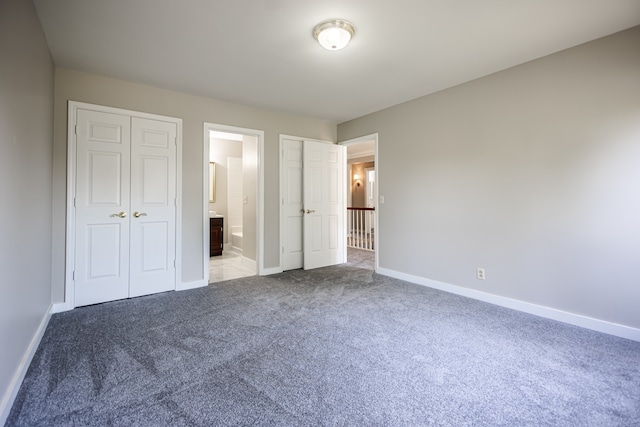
pixel 74 202
pixel 73 275
pixel 75 129
pixel 174 263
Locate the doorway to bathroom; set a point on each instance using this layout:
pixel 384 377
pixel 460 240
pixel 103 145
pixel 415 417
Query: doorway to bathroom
pixel 232 219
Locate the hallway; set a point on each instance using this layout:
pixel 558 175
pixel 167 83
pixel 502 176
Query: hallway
pixel 361 258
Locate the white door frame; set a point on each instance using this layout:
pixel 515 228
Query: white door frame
pixel 376 238
pixel 281 195
pixel 70 247
pixel 259 135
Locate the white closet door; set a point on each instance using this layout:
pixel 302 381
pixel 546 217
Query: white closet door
pixel 292 204
pixel 153 210
pixel 323 194
pixel 102 207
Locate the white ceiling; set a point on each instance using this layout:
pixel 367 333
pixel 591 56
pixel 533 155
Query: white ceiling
pixel 262 53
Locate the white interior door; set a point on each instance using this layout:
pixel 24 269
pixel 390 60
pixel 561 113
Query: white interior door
pixel 102 206
pixel 125 206
pixel 153 210
pixel 324 242
pixel 292 204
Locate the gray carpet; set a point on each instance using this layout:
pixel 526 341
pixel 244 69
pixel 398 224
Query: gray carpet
pixel 334 346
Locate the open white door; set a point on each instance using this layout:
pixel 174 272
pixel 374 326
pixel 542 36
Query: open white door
pixel 324 204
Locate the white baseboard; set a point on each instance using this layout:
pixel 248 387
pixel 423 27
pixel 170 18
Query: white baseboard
pixel 60 307
pixel 271 270
pixel 249 263
pixel 598 325
pixel 191 285
pixel 16 381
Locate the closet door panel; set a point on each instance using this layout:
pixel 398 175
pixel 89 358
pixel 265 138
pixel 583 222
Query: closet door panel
pixel 102 207
pixel 153 193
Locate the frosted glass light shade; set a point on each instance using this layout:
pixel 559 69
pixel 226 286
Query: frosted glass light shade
pixel 334 34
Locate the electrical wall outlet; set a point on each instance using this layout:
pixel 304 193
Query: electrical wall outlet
pixel 480 273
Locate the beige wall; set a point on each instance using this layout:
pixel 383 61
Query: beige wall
pixel 194 110
pixel 26 128
pixel 532 173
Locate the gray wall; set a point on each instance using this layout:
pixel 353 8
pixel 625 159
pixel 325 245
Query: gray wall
pixel 532 173
pixel 194 110
pixel 26 128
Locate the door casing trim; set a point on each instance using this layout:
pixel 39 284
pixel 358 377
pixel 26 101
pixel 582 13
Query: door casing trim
pixel 70 248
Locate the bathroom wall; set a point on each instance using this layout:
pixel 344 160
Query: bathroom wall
pixel 220 151
pixel 234 196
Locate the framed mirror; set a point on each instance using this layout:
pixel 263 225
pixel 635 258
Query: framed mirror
pixel 212 182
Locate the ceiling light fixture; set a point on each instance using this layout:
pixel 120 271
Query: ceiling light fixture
pixel 334 34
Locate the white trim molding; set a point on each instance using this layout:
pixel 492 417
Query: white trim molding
pixel 73 106
pixel 249 263
pixel 598 325
pixel 18 376
pixel 270 271
pixel 185 286
pixel 61 307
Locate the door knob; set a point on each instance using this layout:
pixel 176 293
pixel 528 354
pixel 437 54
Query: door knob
pixel 139 214
pixel 310 211
pixel 121 214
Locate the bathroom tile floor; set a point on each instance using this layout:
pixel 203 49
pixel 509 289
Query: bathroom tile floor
pixel 227 266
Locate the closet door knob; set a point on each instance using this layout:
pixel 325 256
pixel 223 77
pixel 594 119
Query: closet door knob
pixel 121 214
pixel 139 214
